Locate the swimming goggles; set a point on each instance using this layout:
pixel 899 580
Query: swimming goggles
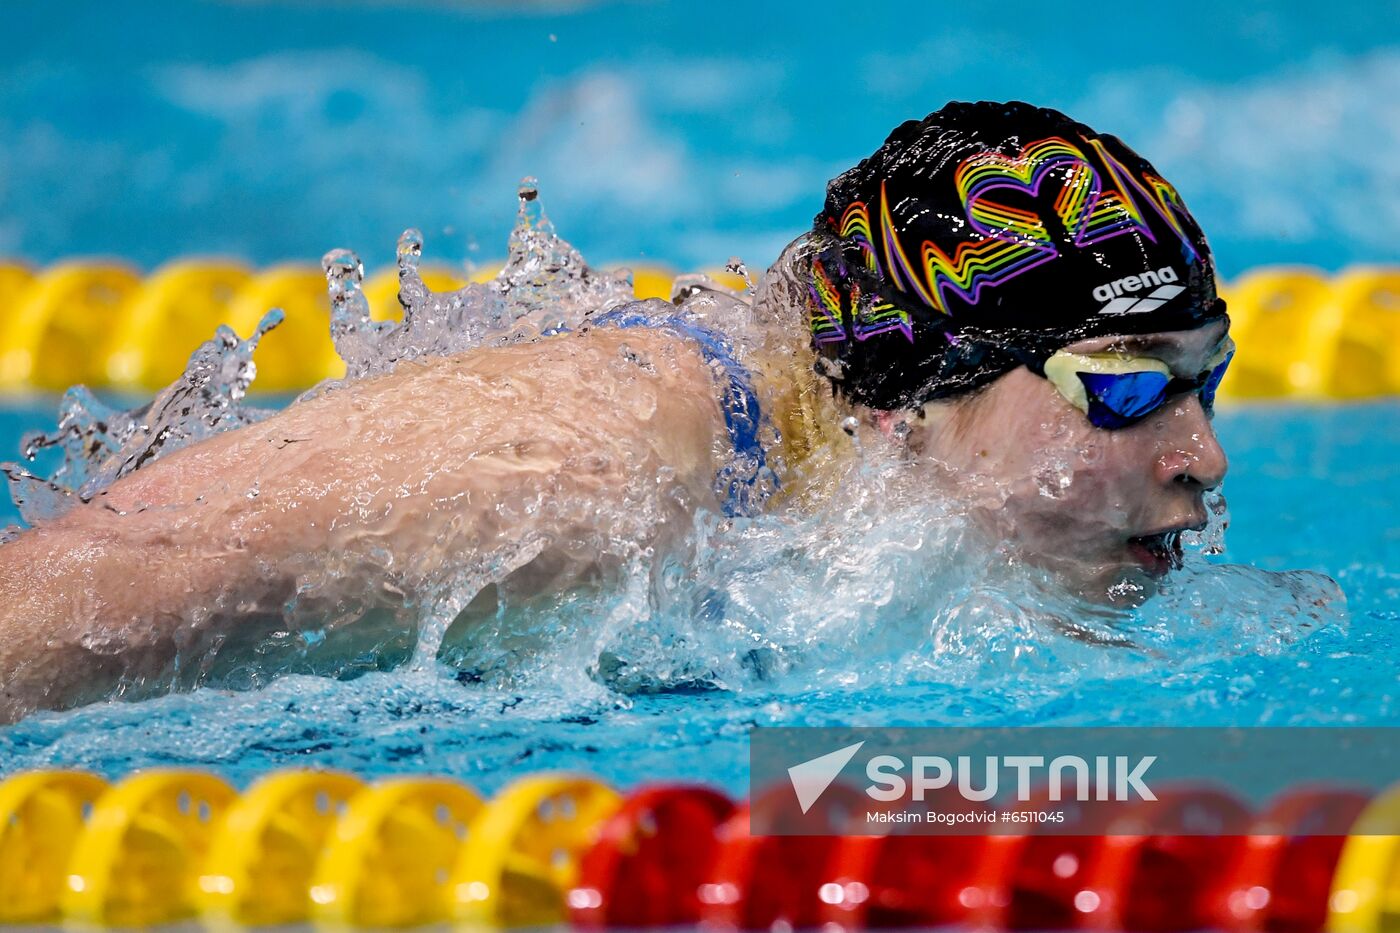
pixel 1115 391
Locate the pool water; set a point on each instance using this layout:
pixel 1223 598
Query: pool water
pixel 679 138
pixel 1311 487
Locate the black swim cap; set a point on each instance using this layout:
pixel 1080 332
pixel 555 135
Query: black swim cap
pixel 987 236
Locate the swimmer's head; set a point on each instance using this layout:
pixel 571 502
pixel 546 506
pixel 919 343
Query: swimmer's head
pixel 988 236
pixel 1031 304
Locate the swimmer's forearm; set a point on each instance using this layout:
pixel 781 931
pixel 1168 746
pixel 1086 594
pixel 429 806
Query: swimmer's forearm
pixel 83 610
pixel 111 593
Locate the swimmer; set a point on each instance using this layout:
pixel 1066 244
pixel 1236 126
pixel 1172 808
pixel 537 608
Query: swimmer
pixel 1014 306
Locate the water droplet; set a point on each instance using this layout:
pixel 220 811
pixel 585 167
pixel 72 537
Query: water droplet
pixel 103 641
pixel 344 272
pixel 410 248
pixel 736 266
pixel 531 213
pixel 1052 479
pixel 1211 540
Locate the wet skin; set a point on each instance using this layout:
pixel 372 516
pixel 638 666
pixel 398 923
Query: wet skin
pixel 356 502
pixel 366 498
pixel 1072 497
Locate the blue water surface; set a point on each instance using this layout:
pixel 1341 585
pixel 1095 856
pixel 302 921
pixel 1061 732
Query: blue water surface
pixel 673 132
pixel 1311 487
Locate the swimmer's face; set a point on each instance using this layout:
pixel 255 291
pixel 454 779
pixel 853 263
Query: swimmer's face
pixel 1100 507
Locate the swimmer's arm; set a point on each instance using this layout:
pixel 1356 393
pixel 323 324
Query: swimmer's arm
pixel 379 486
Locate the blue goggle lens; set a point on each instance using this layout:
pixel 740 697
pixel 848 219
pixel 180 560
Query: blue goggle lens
pixel 1212 383
pixel 1117 400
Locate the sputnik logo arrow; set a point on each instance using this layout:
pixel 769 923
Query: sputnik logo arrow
pixel 811 778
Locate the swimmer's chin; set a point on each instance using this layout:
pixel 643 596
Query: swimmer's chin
pixel 1113 578
pixel 1124 579
pixel 1117 586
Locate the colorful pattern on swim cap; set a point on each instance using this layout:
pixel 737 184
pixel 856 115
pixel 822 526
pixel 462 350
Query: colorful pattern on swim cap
pixel 986 230
pixel 834 308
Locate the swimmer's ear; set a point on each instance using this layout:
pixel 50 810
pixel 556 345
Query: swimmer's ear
pixel 884 422
pixel 898 426
pixel 895 424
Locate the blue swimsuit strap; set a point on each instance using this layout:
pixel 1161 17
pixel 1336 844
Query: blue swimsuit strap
pixel 738 484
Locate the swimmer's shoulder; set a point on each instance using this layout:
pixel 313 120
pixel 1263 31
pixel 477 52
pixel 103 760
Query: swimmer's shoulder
pixel 600 350
pixel 649 383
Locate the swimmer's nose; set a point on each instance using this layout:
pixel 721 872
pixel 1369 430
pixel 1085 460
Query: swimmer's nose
pixel 1193 455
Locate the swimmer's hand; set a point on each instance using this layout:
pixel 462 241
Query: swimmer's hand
pixel 379 493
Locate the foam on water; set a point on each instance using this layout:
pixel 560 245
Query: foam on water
pixel 887 586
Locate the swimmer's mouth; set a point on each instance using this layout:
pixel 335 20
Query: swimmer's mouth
pixel 1158 553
